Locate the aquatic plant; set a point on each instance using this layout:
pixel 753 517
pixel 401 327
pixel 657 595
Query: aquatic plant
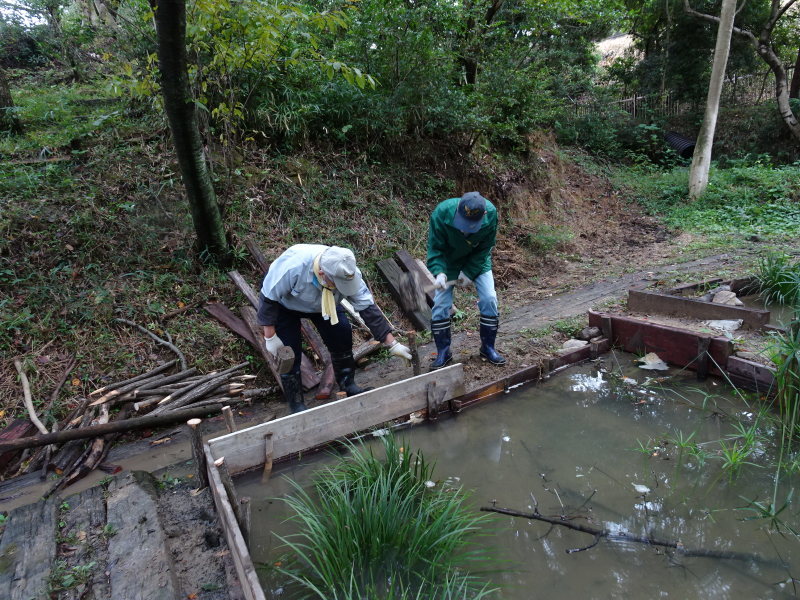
pixel 373 528
pixel 786 358
pixel 682 443
pixel 771 513
pixel 734 457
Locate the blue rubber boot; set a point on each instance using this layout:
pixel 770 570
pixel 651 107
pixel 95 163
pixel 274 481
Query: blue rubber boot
pixel 441 335
pixel 489 327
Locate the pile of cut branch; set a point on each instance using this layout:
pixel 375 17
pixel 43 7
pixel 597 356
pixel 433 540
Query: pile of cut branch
pixel 79 443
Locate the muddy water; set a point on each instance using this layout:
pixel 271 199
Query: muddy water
pixel 779 314
pixel 577 437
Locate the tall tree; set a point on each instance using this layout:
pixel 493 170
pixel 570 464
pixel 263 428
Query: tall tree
pixel 794 88
pixel 170 18
pixel 765 48
pixel 701 161
pixel 8 118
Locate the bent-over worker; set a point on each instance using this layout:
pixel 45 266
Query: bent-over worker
pixel 308 281
pixel 461 236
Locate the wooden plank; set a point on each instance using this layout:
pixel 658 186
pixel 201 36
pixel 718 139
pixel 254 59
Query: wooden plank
pixel 762 376
pixel 570 358
pixel 393 275
pixel 294 433
pixel 249 316
pixel 245 288
pixel 650 302
pixel 28 550
pixel 688 287
pixel 409 265
pixel 139 562
pixel 674 346
pixel 225 315
pixel 233 535
pixel 257 254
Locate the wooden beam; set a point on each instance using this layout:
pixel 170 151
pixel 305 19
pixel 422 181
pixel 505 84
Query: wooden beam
pixel 245 288
pixel 394 277
pixel 225 315
pixel 245 570
pixel 294 433
pixel 650 302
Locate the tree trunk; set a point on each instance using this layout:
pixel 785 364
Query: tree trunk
pixel 701 161
pixel 170 17
pixel 781 88
pixel 794 88
pixel 8 118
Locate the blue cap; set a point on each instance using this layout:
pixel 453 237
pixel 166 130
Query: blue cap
pixel 470 212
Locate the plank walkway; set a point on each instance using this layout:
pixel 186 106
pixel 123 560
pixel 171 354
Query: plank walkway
pixel 133 539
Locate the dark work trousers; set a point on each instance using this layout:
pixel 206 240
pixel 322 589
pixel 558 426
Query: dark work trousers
pixel 338 338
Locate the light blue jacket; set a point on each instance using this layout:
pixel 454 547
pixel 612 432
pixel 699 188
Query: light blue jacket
pixel 292 283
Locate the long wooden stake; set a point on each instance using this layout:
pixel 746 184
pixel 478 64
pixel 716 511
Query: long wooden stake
pixel 198 455
pixel 227 414
pixel 119 384
pixel 246 516
pixel 122 425
pixel 412 344
pixel 268 457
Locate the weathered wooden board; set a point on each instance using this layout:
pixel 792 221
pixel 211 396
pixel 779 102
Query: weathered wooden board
pixel 139 564
pixel 410 265
pixel 695 285
pixel 674 346
pixel 238 548
pixel 83 523
pixel 650 302
pixel 225 316
pixel 28 550
pixel 754 375
pixel 419 316
pixel 245 449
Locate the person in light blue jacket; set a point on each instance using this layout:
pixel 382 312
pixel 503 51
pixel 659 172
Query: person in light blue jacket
pixel 308 281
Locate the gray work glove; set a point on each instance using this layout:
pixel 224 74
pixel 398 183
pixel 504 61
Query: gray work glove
pixel 398 349
pixel 273 344
pixel 441 282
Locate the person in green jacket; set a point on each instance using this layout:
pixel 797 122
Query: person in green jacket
pixel 461 236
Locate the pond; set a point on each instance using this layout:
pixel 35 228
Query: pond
pixel 779 314
pixel 599 443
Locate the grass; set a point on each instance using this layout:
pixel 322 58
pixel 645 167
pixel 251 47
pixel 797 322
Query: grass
pixel 742 200
pixel 778 279
pixel 382 528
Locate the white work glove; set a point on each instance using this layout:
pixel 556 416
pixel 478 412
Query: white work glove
pixel 441 282
pixel 463 280
pixel 398 349
pixel 273 344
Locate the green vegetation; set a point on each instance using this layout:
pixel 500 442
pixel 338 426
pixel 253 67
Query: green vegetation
pixel 382 528
pixel 778 280
pixel 753 199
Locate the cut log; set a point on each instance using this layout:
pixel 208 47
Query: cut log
pixel 113 386
pixel 123 425
pixel 19 428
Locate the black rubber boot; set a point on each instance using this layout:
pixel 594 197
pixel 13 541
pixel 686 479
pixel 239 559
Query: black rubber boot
pixel 344 367
pixel 489 327
pixel 441 335
pixel 293 392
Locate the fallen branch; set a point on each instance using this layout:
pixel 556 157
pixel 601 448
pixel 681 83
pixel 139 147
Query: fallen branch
pixel 119 384
pixel 616 536
pixel 26 397
pixel 124 425
pixel 157 339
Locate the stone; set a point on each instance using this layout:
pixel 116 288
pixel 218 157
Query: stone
pixel 572 344
pixel 726 297
pixel 587 333
pixel 724 324
pixel 652 362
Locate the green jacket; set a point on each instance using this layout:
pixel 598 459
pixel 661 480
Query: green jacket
pixel 450 251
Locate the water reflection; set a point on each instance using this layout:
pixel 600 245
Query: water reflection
pixel 597 450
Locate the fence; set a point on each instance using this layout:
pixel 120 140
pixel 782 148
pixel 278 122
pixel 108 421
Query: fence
pixel 737 90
